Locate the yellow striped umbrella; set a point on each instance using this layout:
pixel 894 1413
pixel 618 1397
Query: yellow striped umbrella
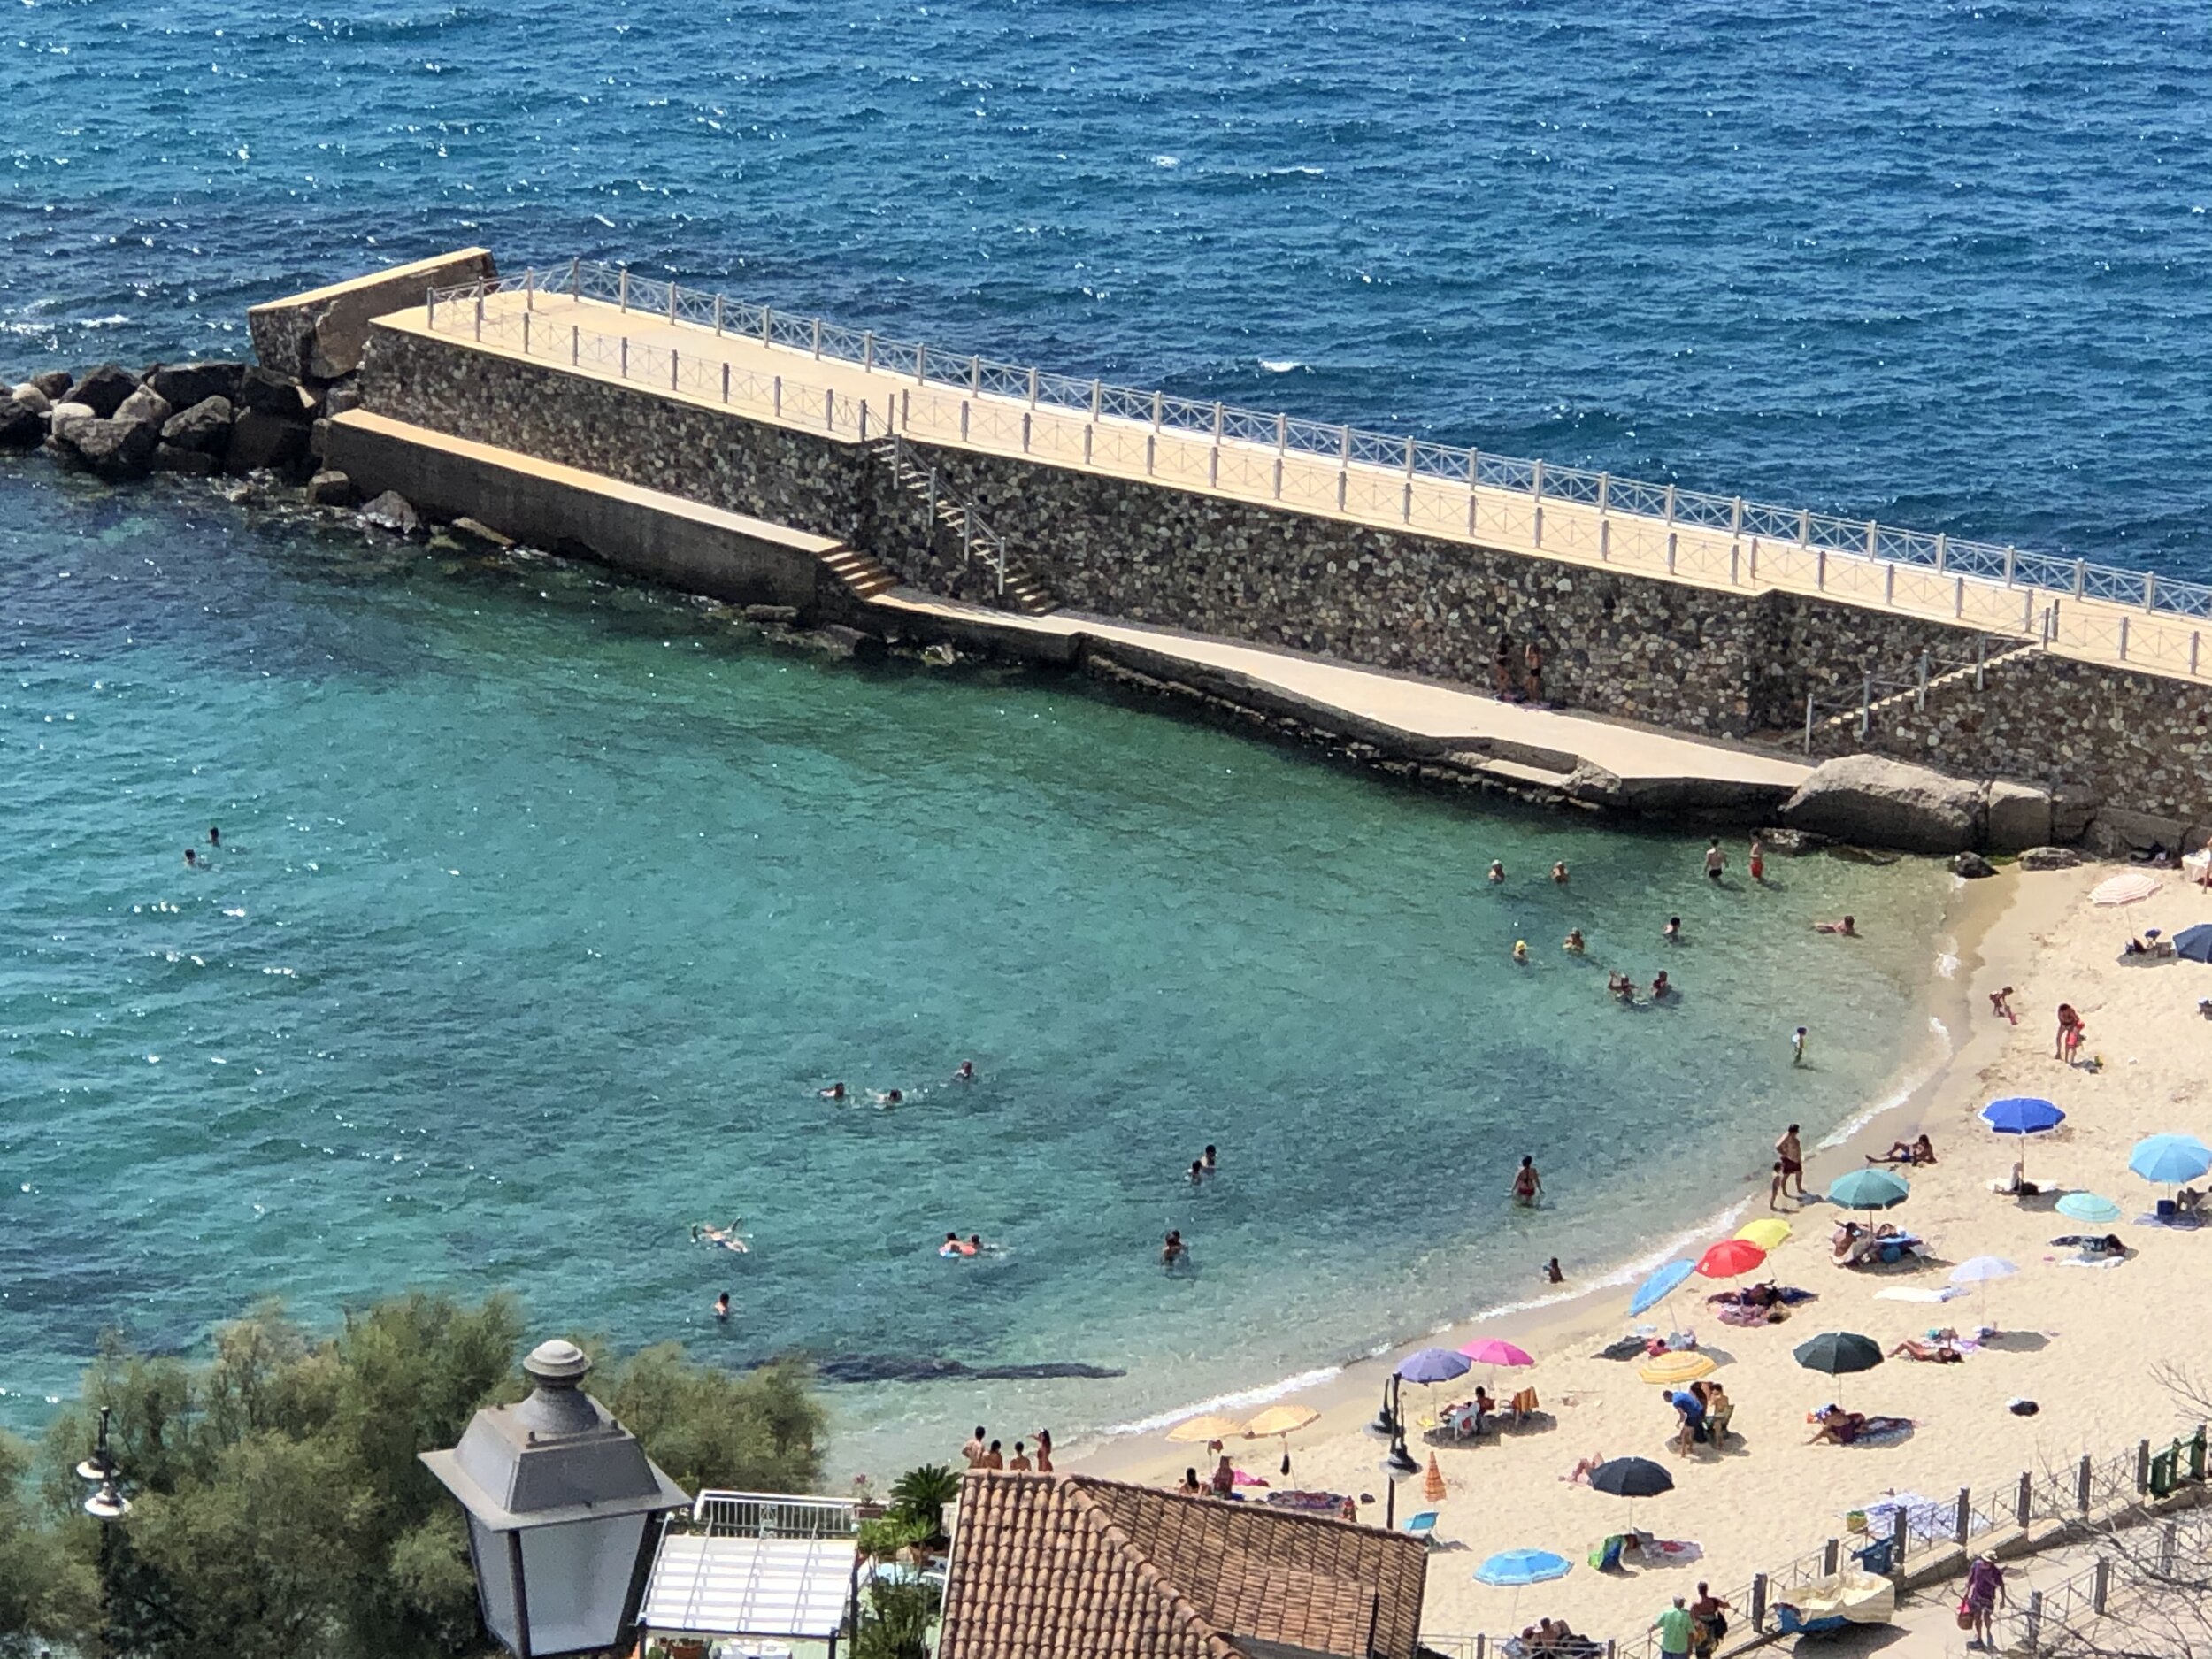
pixel 1768 1232
pixel 1685 1365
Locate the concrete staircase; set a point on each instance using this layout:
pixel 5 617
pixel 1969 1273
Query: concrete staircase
pixel 1967 676
pixel 1006 581
pixel 864 578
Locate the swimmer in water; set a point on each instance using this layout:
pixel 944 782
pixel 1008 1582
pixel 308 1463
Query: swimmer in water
pixel 953 1247
pixel 727 1237
pixel 1197 1171
pixel 1172 1249
pixel 966 1073
pixel 1849 927
pixel 975 1245
pixel 191 859
pixel 890 1097
pixel 1672 932
pixel 214 836
pixel 1659 988
pixel 1621 986
pixel 1520 951
pixel 1559 872
pixel 835 1091
pixel 1552 1275
pixel 1497 871
pixel 1211 1162
pixel 722 1306
pixel 1575 945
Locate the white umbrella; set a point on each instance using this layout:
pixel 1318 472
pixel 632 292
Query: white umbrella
pixel 1981 1269
pixel 2123 889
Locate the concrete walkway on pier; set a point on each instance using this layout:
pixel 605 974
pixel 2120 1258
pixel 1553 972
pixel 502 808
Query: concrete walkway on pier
pixel 790 384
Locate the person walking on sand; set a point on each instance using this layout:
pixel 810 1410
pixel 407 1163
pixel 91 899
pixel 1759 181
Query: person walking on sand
pixel 1528 1185
pixel 1758 859
pixel 1677 1630
pixel 1984 1589
pixel 2069 1033
pixel 1774 1186
pixel 1711 1613
pixel 1797 1057
pixel 1715 862
pixel 1791 1150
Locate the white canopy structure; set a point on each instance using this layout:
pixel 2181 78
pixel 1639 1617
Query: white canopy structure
pixel 771 1568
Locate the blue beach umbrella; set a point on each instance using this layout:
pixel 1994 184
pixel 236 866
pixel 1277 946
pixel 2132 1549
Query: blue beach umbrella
pixel 1869 1189
pixel 2194 942
pixel 1432 1366
pixel 1523 1566
pixel 1656 1288
pixel 2088 1207
pixel 2022 1114
pixel 2170 1160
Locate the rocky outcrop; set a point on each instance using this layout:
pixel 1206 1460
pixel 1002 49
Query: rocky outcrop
pixel 2049 858
pixel 395 513
pixel 22 426
pixel 265 392
pixel 185 384
pixel 1865 799
pixel 54 383
pixel 103 390
pixel 258 439
pixel 205 427
pixel 320 335
pixel 170 457
pixel 145 407
pixel 1972 867
pixel 28 394
pixel 2114 834
pixel 329 489
pixel 2015 817
pixel 115 448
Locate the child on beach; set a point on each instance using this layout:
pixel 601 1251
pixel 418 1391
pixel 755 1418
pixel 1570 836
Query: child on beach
pixel 1758 860
pixel 2070 1032
pixel 2001 1003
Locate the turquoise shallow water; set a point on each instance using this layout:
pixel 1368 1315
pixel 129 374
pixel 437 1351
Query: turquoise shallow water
pixel 544 906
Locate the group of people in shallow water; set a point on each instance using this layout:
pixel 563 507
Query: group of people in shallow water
pixel 893 1097
pixel 214 844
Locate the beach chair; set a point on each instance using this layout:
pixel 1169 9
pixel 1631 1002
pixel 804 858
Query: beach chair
pixel 1422 1526
pixel 1522 1407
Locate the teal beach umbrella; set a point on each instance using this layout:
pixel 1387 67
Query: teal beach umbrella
pixel 1869 1189
pixel 2088 1207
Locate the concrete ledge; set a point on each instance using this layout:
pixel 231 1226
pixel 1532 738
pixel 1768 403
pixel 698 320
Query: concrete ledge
pixel 320 335
pixel 664 538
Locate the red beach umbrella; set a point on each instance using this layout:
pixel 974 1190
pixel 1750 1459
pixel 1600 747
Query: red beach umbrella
pixel 1728 1258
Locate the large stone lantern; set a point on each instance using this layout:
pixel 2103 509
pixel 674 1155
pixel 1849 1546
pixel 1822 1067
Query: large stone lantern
pixel 561 1499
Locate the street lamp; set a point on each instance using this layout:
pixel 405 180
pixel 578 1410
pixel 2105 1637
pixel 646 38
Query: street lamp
pixel 107 1505
pixel 558 1496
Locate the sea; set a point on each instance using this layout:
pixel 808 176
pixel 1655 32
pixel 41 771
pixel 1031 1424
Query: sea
pixel 546 904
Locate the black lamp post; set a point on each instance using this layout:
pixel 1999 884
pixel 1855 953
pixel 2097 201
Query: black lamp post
pixel 107 1505
pixel 560 1499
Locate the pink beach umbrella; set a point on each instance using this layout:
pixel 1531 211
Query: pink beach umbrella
pixel 1491 1351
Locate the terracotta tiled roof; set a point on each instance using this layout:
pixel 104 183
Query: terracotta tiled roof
pixel 1069 1567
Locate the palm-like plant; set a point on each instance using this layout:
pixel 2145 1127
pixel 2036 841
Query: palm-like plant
pixel 919 1496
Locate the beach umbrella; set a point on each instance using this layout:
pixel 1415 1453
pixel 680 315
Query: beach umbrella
pixel 1523 1566
pixel 1198 1431
pixel 1281 1422
pixel 2170 1160
pixel 2022 1114
pixel 1731 1258
pixel 1869 1189
pixel 1431 1365
pixel 1838 1353
pixel 2123 889
pixel 1630 1478
pixel 1682 1366
pixel 1491 1351
pixel 2194 942
pixel 1654 1289
pixel 2088 1207
pixel 1769 1233
pixel 1981 1269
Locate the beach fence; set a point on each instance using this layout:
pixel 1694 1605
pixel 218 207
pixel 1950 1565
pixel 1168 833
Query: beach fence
pixel 1923 1541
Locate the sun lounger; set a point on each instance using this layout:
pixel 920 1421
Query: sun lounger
pixel 1422 1526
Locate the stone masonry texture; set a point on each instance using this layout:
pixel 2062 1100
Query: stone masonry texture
pixel 1697 660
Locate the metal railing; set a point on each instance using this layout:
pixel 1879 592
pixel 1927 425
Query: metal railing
pixel 944 509
pixel 773 1515
pixel 2137 618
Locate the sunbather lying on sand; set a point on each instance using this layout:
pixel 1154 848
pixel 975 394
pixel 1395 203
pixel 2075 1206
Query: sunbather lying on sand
pixel 1852 1244
pixel 1766 1293
pixel 1938 1353
pixel 1920 1151
pixel 1579 1475
pixel 1839 1427
pixel 2089 1244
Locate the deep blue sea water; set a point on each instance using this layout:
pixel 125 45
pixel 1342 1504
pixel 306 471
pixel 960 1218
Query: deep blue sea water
pixel 1942 264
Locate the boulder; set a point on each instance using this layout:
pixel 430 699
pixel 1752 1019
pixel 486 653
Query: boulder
pixel 170 457
pixel 32 399
pixel 1881 802
pixel 54 383
pixel 2049 858
pixel 1972 866
pixel 395 513
pixel 343 395
pixel 185 384
pixel 265 392
pixel 103 389
pixel 476 533
pixel 2071 809
pixel 784 615
pixel 146 407
pixel 258 439
pixel 205 427
pixel 66 417
pixel 115 449
pixel 21 426
pixel 2114 834
pixel 329 489
pixel 2015 817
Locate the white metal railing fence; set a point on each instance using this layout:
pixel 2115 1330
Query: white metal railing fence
pixel 944 508
pixel 773 1515
pixel 2134 616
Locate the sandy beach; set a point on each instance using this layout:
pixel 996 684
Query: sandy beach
pixel 2087 1344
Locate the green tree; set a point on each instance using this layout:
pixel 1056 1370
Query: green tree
pixel 761 1431
pixel 45 1592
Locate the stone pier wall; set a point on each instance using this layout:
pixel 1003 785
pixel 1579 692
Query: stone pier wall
pixel 1694 659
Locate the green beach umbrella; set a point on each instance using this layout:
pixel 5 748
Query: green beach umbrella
pixel 1869 1189
pixel 2088 1207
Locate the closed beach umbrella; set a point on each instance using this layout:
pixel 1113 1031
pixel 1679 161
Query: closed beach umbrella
pixel 1282 1421
pixel 1869 1189
pixel 2194 942
pixel 2170 1160
pixel 2125 890
pixel 1654 1289
pixel 1769 1233
pixel 1730 1259
pixel 2088 1207
pixel 1523 1566
pixel 1195 1430
pixel 1683 1365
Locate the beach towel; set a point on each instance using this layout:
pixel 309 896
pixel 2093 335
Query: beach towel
pixel 1909 1292
pixel 1883 1432
pixel 1930 1522
pixel 1672 1551
pixel 1607 1557
pixel 2093 1261
pixel 1753 1315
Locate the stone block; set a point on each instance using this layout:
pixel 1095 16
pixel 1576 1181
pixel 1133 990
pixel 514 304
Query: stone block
pixel 2114 834
pixel 2015 817
pixel 265 392
pixel 395 513
pixel 115 449
pixel 1972 866
pixel 1877 802
pixel 2049 858
pixel 21 426
pixel 67 417
pixel 185 384
pixel 170 457
pixel 205 427
pixel 54 383
pixel 103 390
pixel 145 407
pixel 474 533
pixel 330 488
pixel 785 615
pixel 258 441
pixel 29 395
pixel 320 334
pixel 2071 809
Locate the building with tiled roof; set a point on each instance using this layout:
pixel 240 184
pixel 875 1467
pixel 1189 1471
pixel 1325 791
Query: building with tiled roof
pixel 1069 1567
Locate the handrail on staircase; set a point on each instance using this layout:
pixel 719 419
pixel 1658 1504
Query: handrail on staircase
pixel 931 496
pixel 1931 671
